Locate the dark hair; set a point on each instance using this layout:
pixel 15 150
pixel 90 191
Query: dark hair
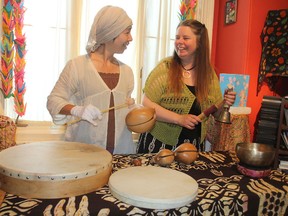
pixel 203 67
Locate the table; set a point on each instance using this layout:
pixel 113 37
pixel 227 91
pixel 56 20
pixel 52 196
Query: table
pixel 222 191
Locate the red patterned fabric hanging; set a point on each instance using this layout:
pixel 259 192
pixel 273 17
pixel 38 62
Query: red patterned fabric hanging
pixel 274 58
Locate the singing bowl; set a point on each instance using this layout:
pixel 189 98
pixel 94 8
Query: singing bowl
pixel 186 153
pixel 255 154
pixel 141 119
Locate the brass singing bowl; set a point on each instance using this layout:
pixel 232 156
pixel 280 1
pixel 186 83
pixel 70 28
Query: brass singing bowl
pixel 255 154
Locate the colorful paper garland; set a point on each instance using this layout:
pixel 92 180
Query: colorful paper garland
pixel 187 9
pixel 13 51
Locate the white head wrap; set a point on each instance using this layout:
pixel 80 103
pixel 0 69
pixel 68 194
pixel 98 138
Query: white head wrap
pixel 108 23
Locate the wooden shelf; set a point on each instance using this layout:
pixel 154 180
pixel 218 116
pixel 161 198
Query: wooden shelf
pixel 282 127
pixel 283 152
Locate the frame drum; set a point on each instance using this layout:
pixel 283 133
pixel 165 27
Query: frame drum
pixel 153 187
pixel 54 169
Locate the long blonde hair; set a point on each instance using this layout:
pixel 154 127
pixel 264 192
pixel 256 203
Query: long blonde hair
pixel 204 69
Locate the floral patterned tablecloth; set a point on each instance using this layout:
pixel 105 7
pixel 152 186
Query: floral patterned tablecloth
pixel 222 191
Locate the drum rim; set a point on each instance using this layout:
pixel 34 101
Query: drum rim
pixel 77 174
pixel 153 202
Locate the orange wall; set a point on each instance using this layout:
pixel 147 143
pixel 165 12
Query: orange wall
pixel 236 48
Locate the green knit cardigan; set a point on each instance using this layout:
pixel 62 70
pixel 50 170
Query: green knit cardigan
pixel 156 90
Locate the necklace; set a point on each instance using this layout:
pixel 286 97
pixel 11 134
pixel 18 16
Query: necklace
pixel 187 73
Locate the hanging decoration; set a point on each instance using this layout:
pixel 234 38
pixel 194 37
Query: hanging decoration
pixel 7 49
pixel 19 60
pixel 187 9
pixel 13 54
pixel 274 57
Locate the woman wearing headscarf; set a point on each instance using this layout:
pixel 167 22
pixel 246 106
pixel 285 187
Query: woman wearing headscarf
pixel 97 81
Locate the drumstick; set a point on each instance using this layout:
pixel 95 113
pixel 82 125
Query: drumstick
pixel 115 107
pixel 183 151
pixel 214 107
pixel 163 156
pixel 128 103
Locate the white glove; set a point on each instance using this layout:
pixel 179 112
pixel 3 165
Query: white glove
pixel 130 102
pixel 89 113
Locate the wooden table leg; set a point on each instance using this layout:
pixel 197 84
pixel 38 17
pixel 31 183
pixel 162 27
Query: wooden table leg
pixel 2 195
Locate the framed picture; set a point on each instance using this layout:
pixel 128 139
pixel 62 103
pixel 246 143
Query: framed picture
pixel 231 12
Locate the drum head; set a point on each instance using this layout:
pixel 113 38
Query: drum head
pixel 54 169
pixel 153 187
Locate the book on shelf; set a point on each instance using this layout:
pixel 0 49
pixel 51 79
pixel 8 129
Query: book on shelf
pixel 271 102
pixel 283 162
pixel 268 124
pixel 283 166
pixel 268 118
pixel 265 141
pixel 272 99
pixel 264 128
pixel 286 115
pixel 268 111
pixel 283 169
pixel 283 159
pixel 285 138
pixel 266 132
pixel 269 105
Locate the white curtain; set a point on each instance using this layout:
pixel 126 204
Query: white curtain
pixel 205 14
pixel 45 29
pixel 159 26
pixel 57 30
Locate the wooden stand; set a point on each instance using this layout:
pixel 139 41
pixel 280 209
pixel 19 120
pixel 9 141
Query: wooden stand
pixel 2 196
pixel 282 127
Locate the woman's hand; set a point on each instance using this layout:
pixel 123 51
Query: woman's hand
pixel 230 97
pixel 188 121
pixel 89 113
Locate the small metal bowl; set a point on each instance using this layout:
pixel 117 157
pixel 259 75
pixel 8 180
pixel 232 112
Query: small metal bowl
pixel 255 154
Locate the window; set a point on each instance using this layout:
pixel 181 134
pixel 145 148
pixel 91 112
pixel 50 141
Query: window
pixel 45 30
pixel 58 30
